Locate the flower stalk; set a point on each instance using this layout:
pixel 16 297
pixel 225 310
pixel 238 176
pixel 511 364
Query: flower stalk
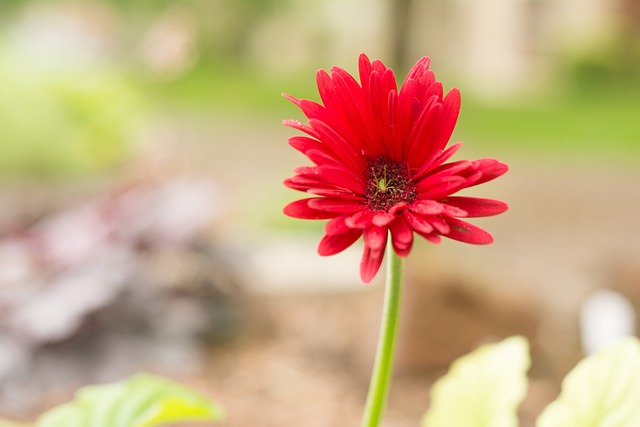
pixel 383 365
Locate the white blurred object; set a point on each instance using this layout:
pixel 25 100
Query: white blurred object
pixel 64 37
pixel 286 265
pixel 169 47
pixel 172 212
pixel 72 237
pixel 59 310
pixel 605 317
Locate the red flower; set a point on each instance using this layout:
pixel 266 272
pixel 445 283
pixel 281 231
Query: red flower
pixel 380 163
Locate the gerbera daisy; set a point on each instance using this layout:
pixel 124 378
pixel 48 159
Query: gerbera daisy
pixel 380 169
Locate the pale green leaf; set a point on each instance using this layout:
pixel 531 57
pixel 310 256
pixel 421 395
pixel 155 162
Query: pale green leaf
pixel 483 388
pixel 603 390
pixel 140 401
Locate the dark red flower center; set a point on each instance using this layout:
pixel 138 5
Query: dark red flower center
pixel 388 183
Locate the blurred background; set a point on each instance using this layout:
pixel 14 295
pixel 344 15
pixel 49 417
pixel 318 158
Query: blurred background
pixel 141 161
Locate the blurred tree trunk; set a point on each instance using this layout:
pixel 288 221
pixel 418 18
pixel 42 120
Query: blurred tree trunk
pixel 630 35
pixel 400 33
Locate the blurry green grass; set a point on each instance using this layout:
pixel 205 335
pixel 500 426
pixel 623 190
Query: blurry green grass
pixel 575 123
pixel 585 117
pixel 62 122
pixel 230 89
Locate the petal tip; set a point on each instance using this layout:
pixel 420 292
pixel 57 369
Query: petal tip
pixel 370 263
pixel 293 99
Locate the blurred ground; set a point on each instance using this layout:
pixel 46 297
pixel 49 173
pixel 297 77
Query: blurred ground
pixel 306 328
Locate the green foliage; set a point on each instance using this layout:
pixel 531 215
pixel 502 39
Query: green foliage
pixel 575 125
pixel 141 401
pixel 601 391
pixel 62 118
pixel 483 388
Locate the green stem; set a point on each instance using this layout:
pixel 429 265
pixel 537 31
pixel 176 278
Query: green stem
pixel 383 365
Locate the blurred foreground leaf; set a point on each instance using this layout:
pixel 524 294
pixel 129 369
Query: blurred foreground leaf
pixel 483 388
pixel 603 390
pixel 140 401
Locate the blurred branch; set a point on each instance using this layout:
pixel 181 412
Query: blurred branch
pixel 630 36
pixel 400 32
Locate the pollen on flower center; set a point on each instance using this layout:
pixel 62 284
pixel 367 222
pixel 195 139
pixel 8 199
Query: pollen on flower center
pixel 388 183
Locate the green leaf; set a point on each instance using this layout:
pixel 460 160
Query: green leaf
pixel 483 388
pixel 603 390
pixel 140 401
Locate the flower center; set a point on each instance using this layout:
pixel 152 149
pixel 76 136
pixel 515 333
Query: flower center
pixel 388 183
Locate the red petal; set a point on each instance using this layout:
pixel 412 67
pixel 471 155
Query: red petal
pixel 389 83
pixel 450 113
pixel 476 207
pixel 336 226
pixel 398 208
pixel 327 192
pixel 443 172
pixel 375 237
pixel 296 124
pixel 326 88
pixel 329 115
pixel 442 187
pixel 446 154
pixel 490 169
pixel 334 205
pixel 360 219
pixel 468 233
pixel 420 140
pixel 343 150
pixel 292 183
pixel 419 69
pixel 440 224
pixel 394 144
pixel 350 107
pixel 294 100
pixel 304 144
pixel 378 66
pixel 418 223
pixel 307 182
pixel 428 87
pixel 401 236
pixel 426 207
pixel 453 211
pixel 364 68
pixel 376 99
pixel 405 113
pixel 432 237
pixel 300 209
pixel 342 177
pixel 331 245
pixel 438 159
pixel 312 109
pixel 305 170
pixel 319 156
pixel 370 264
pixel 382 218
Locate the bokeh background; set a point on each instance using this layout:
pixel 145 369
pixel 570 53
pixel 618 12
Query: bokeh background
pixel 141 161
